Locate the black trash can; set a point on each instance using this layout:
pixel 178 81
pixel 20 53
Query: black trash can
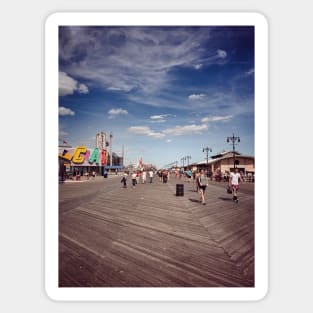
pixel 179 190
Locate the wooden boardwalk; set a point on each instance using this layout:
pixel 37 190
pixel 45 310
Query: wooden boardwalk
pixel 148 237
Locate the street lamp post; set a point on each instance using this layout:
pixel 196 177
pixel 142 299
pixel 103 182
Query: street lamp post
pixel 233 139
pixel 207 150
pixel 188 157
pixel 111 136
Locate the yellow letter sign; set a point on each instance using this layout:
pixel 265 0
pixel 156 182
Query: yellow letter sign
pixel 77 157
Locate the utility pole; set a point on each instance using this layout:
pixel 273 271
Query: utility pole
pixel 188 157
pixel 111 136
pixel 182 159
pixel 233 139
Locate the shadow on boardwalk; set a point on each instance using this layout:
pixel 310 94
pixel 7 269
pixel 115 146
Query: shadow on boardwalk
pixel 225 199
pixel 147 237
pixel 194 200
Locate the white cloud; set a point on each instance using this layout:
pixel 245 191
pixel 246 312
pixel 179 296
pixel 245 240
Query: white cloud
pixel 144 130
pixel 197 96
pixel 68 85
pixel 216 118
pixel 114 88
pixel 114 112
pixel 157 121
pixel 156 134
pixel 221 53
pixel 186 130
pixel 250 72
pixel 132 58
pixel 65 111
pixel 82 89
pixel 175 131
pixel 168 140
pixel 158 117
pixel 198 66
pixel 140 130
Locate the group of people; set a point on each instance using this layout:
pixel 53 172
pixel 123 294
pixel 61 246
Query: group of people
pixel 202 182
pixel 164 175
pixel 136 176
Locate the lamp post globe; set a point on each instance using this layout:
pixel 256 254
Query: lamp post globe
pixel 207 150
pixel 233 139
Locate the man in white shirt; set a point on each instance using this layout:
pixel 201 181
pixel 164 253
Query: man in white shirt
pixel 151 176
pixel 234 183
pixel 134 180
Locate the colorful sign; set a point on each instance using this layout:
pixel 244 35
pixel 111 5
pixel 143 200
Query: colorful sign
pixel 81 156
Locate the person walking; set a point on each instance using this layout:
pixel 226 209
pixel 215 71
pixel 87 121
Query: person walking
pixel 124 180
pixel 137 177
pixel 203 183
pixel 197 175
pixel 151 176
pixel 189 175
pixel 233 182
pixel 144 177
pixel 164 176
pixel 134 180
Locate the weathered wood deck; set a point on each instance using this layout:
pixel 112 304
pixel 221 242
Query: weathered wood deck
pixel 147 237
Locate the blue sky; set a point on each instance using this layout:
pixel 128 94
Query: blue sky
pixel 164 92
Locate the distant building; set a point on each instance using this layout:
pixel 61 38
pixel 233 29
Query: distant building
pixel 224 163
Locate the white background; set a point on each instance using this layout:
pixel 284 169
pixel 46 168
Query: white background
pixel 22 155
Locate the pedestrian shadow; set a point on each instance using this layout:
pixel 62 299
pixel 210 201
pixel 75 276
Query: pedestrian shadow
pixel 194 200
pixel 225 199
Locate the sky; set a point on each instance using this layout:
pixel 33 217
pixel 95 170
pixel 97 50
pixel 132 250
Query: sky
pixel 165 93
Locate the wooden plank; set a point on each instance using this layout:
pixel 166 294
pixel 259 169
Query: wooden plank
pixel 149 237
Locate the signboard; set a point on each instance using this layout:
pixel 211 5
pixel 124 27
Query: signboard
pixel 81 156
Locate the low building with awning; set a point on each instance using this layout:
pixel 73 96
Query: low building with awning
pixel 225 162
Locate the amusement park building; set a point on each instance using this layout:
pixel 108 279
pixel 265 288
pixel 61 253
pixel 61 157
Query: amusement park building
pixel 83 160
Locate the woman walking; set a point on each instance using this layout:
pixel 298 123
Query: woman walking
pixel 197 175
pixel 203 183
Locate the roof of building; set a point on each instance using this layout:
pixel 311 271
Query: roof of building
pixel 225 155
